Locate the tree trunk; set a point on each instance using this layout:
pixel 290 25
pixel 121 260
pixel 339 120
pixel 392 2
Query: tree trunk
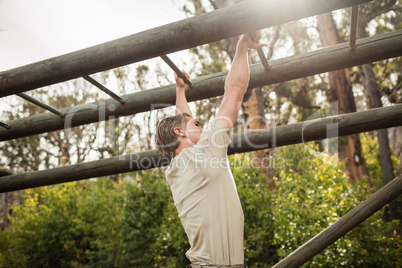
pixel 340 83
pixel 373 95
pixel 5 204
pixel 254 115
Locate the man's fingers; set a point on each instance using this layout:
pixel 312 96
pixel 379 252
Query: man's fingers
pixel 259 45
pixel 186 75
pixel 254 42
pixel 256 36
pixel 180 80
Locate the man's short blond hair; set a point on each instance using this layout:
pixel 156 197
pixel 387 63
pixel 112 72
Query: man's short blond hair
pixel 166 139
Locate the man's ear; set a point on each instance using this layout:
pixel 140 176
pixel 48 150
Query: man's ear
pixel 178 132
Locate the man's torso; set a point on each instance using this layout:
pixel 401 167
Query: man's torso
pixel 206 198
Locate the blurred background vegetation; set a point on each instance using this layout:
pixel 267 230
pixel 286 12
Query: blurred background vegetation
pixel 129 220
pixel 106 223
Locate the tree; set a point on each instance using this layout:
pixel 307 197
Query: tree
pixel 373 94
pixel 340 82
pixel 76 145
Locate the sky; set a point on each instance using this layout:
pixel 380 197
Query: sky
pixel 34 30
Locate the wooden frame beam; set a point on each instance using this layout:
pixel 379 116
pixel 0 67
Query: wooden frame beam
pixel 323 60
pixel 198 30
pixel 255 140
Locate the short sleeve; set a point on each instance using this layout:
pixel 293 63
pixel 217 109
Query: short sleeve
pixel 215 139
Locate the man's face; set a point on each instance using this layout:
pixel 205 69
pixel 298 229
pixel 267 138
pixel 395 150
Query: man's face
pixel 193 131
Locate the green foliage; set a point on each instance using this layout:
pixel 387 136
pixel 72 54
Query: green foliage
pixel 372 157
pixel 256 200
pixel 313 193
pixel 68 225
pixel 154 235
pixel 389 78
pixel 104 223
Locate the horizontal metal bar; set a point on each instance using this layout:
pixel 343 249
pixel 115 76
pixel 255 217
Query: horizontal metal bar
pixel 104 89
pixel 342 226
pixel 371 49
pixel 353 27
pixel 176 70
pixel 40 104
pixel 345 124
pixel 263 59
pixel 198 30
pixel 4 125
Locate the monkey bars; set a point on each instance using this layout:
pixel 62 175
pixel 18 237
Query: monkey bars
pixel 368 50
pixel 104 89
pixel 40 104
pixel 188 33
pixel 198 30
pixel 318 129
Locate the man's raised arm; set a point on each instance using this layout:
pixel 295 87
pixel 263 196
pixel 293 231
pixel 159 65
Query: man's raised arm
pixel 181 100
pixel 237 81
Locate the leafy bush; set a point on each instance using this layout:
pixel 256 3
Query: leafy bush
pixel 313 193
pixel 68 225
pixel 103 223
pixel 154 234
pixel 256 200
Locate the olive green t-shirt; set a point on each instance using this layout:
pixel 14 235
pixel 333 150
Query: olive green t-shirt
pixel 206 199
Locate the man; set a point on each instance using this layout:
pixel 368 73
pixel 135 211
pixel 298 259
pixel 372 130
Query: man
pixel 199 175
